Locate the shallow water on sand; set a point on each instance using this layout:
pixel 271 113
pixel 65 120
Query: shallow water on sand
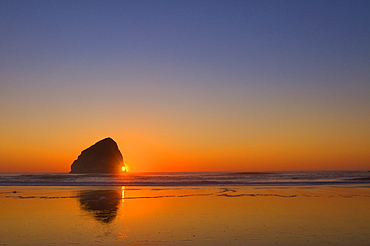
pixel 309 215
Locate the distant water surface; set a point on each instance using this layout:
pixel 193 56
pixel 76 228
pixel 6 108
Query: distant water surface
pixel 188 179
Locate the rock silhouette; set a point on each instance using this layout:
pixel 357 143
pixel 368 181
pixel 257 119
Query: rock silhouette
pixel 102 157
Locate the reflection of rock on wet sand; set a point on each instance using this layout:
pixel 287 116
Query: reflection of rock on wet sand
pixel 103 204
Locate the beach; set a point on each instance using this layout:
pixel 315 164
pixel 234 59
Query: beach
pixel 185 215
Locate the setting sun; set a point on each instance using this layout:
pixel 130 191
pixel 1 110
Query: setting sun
pixel 123 169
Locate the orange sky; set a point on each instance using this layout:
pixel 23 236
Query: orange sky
pixel 241 132
pixel 166 150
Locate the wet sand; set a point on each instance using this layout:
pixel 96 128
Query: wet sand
pixel 335 215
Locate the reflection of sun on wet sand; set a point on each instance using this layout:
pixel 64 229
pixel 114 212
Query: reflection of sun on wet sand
pixel 123 193
pixel 103 204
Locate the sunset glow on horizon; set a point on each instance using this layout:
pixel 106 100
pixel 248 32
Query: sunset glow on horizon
pixel 186 86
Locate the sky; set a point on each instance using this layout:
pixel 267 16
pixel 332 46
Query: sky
pixel 186 85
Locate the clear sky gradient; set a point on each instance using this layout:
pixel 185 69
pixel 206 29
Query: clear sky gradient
pixel 186 85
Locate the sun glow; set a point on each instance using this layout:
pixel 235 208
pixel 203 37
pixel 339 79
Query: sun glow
pixel 123 168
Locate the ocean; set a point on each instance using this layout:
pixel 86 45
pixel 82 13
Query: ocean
pixel 291 178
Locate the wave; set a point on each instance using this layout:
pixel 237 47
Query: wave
pixel 188 179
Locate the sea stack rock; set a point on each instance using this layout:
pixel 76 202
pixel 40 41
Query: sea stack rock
pixel 102 157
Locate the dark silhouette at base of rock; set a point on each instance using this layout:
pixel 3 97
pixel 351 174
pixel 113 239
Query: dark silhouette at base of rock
pixel 102 157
